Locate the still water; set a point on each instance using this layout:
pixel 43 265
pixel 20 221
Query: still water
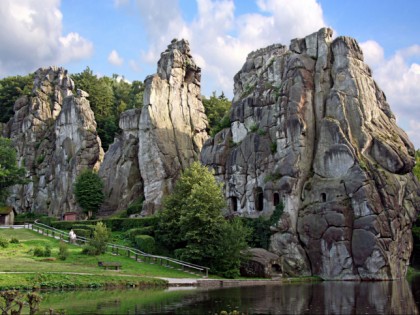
pixel 391 297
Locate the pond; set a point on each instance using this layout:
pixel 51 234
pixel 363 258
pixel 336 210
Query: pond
pixel 390 297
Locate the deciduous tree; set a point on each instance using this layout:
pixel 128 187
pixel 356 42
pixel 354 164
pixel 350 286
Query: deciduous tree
pixel 10 173
pixel 192 224
pixel 88 190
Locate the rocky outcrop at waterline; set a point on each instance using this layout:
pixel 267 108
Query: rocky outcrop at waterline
pixel 310 128
pixel 54 133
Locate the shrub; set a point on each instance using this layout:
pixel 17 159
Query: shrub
pixel 83 233
pixel 47 251
pixel 42 252
pixel 273 147
pixel 89 250
pixel 253 127
pixel 88 227
pixel 46 220
pixel 97 244
pixel 260 236
pixel 224 123
pixel 147 230
pixel 145 243
pixel 39 252
pixel 14 240
pixel 63 251
pixel 116 224
pixel 135 207
pixel 4 242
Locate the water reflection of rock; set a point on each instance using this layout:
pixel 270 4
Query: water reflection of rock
pixel 385 297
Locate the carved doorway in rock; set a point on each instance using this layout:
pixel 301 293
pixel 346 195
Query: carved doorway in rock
pixel 259 199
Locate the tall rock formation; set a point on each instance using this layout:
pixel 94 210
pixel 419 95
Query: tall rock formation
pixel 172 123
pixel 166 135
pixel 311 128
pixel 54 133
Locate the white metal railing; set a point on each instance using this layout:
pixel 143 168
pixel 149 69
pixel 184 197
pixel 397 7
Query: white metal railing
pixel 116 249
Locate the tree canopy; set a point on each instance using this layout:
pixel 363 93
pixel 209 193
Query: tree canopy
pixel 10 173
pixel 108 98
pixel 193 227
pixel 11 88
pixel 416 169
pixel 88 190
pixel 217 111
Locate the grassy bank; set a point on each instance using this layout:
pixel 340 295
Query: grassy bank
pixel 78 270
pixel 27 281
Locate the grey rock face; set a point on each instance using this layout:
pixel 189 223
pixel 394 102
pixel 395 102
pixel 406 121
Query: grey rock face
pixel 310 128
pixel 172 126
pixel 262 264
pixel 161 139
pixel 54 133
pixel 120 169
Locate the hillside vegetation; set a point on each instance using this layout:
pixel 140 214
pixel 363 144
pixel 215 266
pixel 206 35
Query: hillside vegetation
pixel 25 271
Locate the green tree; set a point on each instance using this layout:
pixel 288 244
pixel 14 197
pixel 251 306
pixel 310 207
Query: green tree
pixel 108 98
pixel 88 190
pixel 10 173
pixel 191 223
pixel 11 88
pixel 416 169
pixel 217 111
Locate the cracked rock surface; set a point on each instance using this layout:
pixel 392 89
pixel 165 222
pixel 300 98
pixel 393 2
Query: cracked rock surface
pixel 54 133
pixel 311 128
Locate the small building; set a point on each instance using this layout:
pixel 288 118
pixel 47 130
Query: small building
pixel 70 216
pixel 7 215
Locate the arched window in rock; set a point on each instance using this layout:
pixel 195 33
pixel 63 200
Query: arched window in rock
pixel 259 199
pixel 276 199
pixel 323 197
pixel 234 204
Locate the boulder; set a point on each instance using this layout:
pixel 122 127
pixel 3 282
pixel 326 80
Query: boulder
pixel 261 263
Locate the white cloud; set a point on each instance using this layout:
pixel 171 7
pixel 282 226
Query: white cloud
pixel 373 53
pixel 221 40
pixel 399 78
pixel 115 59
pixel 32 37
pixel 120 3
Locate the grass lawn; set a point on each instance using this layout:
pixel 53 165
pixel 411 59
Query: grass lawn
pixel 48 271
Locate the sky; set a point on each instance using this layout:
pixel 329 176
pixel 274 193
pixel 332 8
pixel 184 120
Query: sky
pixel 126 37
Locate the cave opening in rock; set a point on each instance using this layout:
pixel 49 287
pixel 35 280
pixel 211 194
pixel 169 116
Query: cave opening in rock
pixel 276 268
pixel 259 199
pixel 276 199
pixel 323 197
pixel 234 204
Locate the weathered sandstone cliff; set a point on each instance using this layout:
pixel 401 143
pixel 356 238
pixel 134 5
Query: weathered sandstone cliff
pixel 311 128
pixel 168 134
pixel 54 133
